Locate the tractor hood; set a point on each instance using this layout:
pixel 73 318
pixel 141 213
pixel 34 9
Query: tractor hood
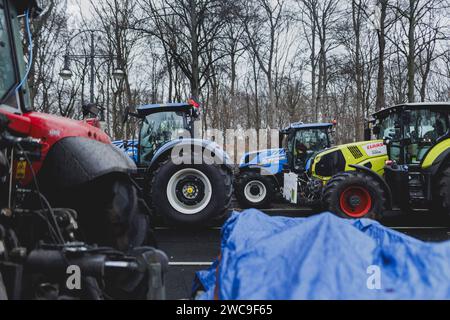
pixel 371 148
pixel 371 154
pixel 130 147
pixel 270 159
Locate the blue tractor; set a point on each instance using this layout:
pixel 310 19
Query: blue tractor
pixel 186 180
pixel 260 176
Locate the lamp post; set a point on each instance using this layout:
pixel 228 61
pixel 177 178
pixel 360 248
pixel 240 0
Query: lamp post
pixel 66 73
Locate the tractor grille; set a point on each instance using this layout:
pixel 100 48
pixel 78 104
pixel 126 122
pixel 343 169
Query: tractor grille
pixel 356 153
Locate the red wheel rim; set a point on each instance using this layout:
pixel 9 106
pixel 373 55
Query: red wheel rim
pixel 355 201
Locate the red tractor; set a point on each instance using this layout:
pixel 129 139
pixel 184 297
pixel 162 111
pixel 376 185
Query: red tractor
pixel 79 168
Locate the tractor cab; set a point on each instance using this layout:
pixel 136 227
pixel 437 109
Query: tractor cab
pixel 410 131
pixel 301 141
pixel 417 137
pixel 159 125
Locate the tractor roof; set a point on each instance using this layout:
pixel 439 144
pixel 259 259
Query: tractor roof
pixel 148 109
pixel 301 125
pixel 445 106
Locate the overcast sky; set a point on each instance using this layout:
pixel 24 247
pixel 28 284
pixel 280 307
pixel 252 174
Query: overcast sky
pixel 76 5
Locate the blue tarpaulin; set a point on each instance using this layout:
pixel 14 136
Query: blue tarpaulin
pixel 323 257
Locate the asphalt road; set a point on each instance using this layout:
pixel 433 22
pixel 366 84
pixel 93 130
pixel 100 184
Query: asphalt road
pixel 191 251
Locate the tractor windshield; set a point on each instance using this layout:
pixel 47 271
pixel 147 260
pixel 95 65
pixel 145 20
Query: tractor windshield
pixel 312 140
pixel 412 133
pixel 7 74
pixel 389 128
pixel 158 129
pixel 306 143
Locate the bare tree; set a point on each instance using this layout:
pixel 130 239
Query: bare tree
pixel 412 14
pixel 47 33
pixel 320 17
pixel 186 29
pixel 115 20
pixel 263 20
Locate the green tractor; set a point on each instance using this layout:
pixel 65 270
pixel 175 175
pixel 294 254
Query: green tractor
pixel 406 168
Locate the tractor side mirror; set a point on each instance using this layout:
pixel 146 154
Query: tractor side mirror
pixel 91 109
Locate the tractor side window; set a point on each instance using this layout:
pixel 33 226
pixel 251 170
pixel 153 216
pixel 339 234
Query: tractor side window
pixel 390 130
pixel 7 75
pixel 158 129
pixel 424 128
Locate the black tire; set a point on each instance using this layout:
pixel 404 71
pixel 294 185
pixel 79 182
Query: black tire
pixel 3 293
pixel 109 213
pixel 244 180
pixel 361 187
pixel 444 192
pixel 221 184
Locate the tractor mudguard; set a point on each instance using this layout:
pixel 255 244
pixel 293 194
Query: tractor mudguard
pixel 378 178
pixel 221 156
pixel 74 161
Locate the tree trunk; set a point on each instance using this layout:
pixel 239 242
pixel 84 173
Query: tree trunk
pixel 381 97
pixel 356 15
pixel 195 80
pixel 411 50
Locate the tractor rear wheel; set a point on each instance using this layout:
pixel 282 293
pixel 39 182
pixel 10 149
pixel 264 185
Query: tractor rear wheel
pixel 110 214
pixel 253 190
pixel 190 195
pixel 3 293
pixel 444 191
pixel 354 195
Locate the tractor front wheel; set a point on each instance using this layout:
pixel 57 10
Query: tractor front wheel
pixel 354 195
pixel 253 190
pixel 190 195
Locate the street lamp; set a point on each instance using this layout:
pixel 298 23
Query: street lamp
pixel 66 73
pixel 118 74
